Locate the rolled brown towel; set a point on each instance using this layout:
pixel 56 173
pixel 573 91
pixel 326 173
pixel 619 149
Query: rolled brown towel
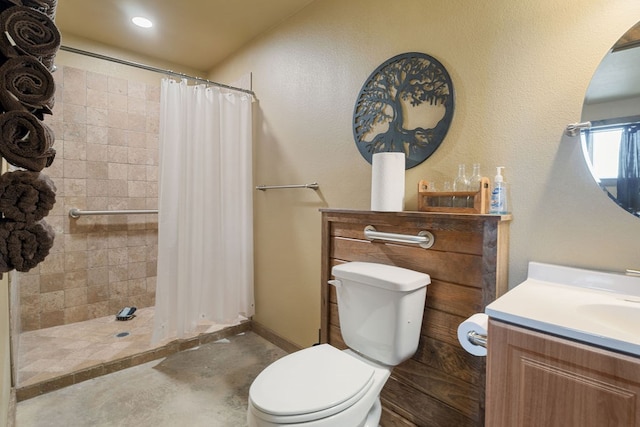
pixel 48 7
pixel 25 31
pixel 26 84
pixel 26 196
pixel 23 246
pixel 25 141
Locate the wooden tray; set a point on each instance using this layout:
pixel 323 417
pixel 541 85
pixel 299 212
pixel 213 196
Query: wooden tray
pixel 438 201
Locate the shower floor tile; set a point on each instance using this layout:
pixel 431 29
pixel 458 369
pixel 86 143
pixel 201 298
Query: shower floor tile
pixel 50 353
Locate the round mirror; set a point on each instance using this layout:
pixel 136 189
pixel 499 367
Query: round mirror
pixel 611 141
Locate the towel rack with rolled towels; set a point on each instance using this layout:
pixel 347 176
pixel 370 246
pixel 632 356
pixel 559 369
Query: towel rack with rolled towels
pixel 424 239
pixel 77 213
pixel 313 186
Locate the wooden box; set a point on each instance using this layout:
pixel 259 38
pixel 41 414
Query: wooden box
pixel 475 202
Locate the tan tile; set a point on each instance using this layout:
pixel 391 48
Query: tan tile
pixel 75 169
pixel 117 85
pixel 118 171
pixel 136 90
pixel 118 273
pixel 138 286
pixel 97 81
pixel 152 124
pixel 97 99
pixel 51 282
pixel 97 187
pixel 137 189
pixel 75 279
pixel 117 103
pixel 137 270
pixel 136 106
pixel 137 122
pixel 75 297
pixel 51 301
pixel 97 117
pixel 28 284
pixel 118 256
pixel 98 258
pixel 136 139
pixel 51 318
pixel 118 188
pixel 98 276
pixel 74 187
pixel 75 150
pixel 117 136
pixel 153 93
pixel 53 263
pixel 97 169
pixel 74 132
pixel 75 314
pixel 117 154
pixel 97 135
pixel 73 113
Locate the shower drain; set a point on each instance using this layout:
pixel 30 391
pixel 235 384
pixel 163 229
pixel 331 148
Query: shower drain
pixel 122 334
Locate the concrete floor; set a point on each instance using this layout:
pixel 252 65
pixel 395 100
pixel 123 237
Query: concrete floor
pixel 205 386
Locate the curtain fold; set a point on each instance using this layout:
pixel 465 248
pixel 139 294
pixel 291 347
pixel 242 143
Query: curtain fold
pixel 628 184
pixel 205 209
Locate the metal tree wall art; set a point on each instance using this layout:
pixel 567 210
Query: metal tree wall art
pixel 406 105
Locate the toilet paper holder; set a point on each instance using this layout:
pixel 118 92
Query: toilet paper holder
pixel 477 339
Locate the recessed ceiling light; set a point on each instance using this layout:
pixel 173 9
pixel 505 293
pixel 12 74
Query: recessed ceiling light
pixel 142 22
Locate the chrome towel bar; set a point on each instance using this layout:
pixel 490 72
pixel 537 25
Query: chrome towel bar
pixel 313 186
pixel 77 213
pixel 424 238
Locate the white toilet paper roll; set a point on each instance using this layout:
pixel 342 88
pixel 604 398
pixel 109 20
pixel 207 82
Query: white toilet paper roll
pixel 387 182
pixel 477 323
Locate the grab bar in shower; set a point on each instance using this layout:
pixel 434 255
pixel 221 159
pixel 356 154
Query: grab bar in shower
pixel 77 213
pixel 424 238
pixel 313 186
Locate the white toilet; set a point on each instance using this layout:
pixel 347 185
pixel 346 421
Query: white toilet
pixel 380 309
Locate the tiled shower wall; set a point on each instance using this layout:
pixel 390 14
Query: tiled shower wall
pixel 107 159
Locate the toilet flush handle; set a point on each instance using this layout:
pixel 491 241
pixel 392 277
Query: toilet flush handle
pixel 337 283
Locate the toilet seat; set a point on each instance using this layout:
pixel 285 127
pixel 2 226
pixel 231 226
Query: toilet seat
pixel 310 384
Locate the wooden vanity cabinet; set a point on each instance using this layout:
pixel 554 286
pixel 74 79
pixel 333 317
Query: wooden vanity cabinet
pixel 441 385
pixel 540 380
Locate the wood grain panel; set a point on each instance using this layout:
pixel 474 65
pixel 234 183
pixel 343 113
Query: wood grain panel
pixel 442 385
pixel 458 268
pixel 421 408
pixel 451 359
pixel 445 240
pixel 456 393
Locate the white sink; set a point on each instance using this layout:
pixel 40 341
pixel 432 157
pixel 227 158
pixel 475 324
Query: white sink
pixel 595 307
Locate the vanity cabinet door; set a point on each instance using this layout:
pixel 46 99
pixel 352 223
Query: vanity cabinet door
pixel 535 380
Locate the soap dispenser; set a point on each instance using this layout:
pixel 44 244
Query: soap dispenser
pixel 499 204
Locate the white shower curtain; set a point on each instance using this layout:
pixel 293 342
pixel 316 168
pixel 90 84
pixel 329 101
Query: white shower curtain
pixel 205 218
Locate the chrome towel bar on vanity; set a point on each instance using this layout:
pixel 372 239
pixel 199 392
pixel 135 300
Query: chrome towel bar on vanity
pixel 424 239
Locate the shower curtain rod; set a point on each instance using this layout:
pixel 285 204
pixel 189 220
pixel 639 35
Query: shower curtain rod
pixel 150 68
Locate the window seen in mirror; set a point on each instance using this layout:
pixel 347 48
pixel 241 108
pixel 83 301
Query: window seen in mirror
pixel 604 152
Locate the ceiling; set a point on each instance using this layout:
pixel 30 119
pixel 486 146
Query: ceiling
pixel 194 33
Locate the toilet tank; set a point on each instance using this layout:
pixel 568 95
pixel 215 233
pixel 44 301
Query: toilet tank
pixel 380 308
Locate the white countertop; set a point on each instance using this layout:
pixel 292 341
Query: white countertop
pixel 595 307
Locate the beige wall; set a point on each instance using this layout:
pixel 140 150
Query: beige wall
pixel 520 70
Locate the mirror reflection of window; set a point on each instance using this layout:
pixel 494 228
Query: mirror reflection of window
pixel 603 150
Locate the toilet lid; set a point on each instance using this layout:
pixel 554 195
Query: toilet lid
pixel 310 380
